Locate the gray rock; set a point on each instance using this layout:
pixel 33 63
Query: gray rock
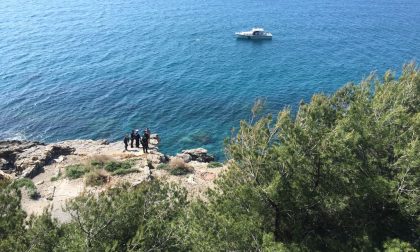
pixel 28 158
pixel 136 183
pixel 206 158
pixel 31 162
pixel 5 176
pixel 104 142
pixel 186 157
pixel 164 159
pixel 9 151
pixel 59 159
pixel 199 154
pixel 196 152
pixel 153 142
pixel 3 164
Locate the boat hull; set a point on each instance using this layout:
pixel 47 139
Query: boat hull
pixel 253 37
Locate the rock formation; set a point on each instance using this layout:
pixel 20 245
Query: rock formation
pixel 198 154
pixel 26 159
pixel 46 164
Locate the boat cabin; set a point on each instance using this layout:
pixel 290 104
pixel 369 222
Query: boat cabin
pixel 257 31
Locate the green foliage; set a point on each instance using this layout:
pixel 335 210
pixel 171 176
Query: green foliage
pixel 114 165
pixel 28 184
pixel 11 217
pixel 98 163
pixel 43 233
pixel 95 175
pixel 125 171
pixel 214 165
pixel 163 166
pixel 396 245
pixel 270 245
pixel 76 171
pixel 138 219
pixel 343 173
pixel 179 171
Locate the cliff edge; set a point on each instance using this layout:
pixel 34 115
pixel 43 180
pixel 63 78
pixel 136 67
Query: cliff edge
pixel 61 171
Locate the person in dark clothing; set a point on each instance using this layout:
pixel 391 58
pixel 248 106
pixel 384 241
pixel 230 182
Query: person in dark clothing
pixel 126 139
pixel 145 143
pixel 147 134
pixel 137 137
pixel 133 136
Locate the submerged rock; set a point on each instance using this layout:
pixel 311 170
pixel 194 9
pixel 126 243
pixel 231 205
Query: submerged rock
pixel 202 138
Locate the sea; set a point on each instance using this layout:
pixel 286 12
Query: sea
pixel 96 69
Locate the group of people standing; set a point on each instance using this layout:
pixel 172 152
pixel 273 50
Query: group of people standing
pixel 137 138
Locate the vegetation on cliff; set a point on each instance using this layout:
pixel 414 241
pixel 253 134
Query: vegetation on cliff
pixel 342 174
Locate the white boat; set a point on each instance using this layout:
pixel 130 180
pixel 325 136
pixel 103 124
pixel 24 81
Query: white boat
pixel 255 33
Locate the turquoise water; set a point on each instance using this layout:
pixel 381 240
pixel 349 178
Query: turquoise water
pixel 96 69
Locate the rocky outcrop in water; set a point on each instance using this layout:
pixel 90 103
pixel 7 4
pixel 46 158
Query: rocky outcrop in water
pixel 199 155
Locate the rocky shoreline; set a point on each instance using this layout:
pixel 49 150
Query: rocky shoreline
pixel 44 164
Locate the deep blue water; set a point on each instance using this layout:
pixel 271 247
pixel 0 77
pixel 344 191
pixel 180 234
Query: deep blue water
pixel 96 69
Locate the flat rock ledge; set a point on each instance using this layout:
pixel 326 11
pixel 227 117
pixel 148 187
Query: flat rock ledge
pixel 26 159
pixel 45 165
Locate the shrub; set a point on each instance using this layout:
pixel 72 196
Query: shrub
pixel 162 166
pixel 214 165
pixel 96 178
pixel 124 218
pixel 24 182
pixel 179 167
pixel 150 164
pixel 29 185
pixel 55 178
pixel 125 171
pixel 179 171
pixel 114 165
pixel 177 163
pixel 100 160
pixel 76 171
pixel 396 245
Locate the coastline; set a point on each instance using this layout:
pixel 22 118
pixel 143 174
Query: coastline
pixel 46 164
